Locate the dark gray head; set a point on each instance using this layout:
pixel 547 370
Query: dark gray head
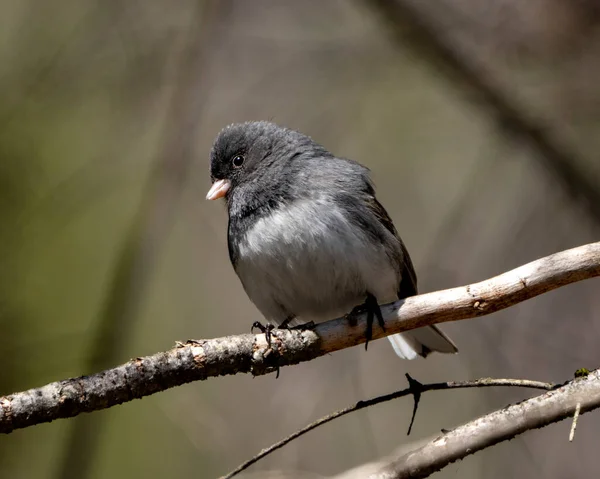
pixel 242 150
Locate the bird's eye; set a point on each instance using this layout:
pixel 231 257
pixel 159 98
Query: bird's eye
pixel 237 161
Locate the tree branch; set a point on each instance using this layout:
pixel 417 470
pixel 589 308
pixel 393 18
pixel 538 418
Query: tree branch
pixel 247 353
pixel 409 27
pixel 504 424
pixel 415 388
pixel 152 223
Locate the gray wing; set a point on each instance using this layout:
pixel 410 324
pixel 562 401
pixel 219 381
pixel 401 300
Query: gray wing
pixel 408 278
pixel 422 341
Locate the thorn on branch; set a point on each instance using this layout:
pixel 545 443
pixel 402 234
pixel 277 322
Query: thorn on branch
pixel 416 389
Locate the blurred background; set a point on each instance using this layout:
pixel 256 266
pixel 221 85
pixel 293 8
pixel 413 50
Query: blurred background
pixel 109 251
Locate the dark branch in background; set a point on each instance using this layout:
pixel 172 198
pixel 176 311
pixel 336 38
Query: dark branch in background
pixel 199 360
pixel 415 389
pixel 410 28
pixel 150 227
pixel 581 394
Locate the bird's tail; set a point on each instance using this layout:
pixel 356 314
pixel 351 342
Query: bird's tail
pixel 422 342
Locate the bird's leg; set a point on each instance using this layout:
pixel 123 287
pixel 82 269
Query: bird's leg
pixel 265 329
pixel 371 307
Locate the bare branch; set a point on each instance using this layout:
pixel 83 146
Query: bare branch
pixel 420 388
pixel 151 225
pixel 247 353
pixel 501 425
pixel 409 27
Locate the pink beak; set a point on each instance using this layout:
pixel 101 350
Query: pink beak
pixel 218 189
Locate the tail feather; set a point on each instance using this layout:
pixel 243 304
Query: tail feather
pixel 422 342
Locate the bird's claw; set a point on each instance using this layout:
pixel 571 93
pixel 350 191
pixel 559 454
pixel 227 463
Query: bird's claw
pixel 371 307
pixel 265 329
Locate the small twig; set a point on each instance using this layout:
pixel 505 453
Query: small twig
pixel 574 425
pixel 409 27
pixel 415 388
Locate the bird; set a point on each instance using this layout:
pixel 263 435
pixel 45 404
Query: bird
pixel 306 235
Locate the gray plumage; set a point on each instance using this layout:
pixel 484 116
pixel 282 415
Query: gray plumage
pixel 307 237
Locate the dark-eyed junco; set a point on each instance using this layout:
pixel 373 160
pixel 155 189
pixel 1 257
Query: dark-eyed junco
pixel 307 237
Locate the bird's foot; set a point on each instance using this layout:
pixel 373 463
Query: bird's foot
pixel 303 327
pixel 371 307
pixel 299 327
pixel 286 323
pixel 265 329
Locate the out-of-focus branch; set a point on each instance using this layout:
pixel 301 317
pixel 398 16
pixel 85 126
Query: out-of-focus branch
pixel 410 28
pixel 504 424
pixel 199 360
pixel 415 389
pixel 152 223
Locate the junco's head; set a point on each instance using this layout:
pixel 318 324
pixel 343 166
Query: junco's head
pixel 241 150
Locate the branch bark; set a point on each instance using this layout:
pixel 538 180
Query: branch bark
pixel 502 425
pixel 247 353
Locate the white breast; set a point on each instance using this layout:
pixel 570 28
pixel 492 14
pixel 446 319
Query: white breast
pixel 307 260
